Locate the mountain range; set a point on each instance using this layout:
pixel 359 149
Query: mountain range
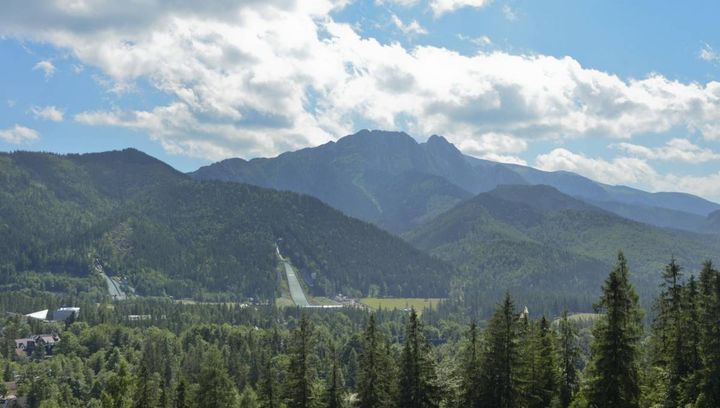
pixel 409 219
pixel 393 181
pixel 60 215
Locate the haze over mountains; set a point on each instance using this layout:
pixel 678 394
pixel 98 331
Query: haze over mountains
pixel 471 229
pixel 171 235
pixel 389 179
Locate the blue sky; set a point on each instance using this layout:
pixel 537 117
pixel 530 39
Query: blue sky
pixel 622 92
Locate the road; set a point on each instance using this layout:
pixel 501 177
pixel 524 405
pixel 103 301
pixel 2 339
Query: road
pixel 115 292
pixel 296 290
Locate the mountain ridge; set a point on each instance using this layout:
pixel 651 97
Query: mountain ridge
pixel 348 175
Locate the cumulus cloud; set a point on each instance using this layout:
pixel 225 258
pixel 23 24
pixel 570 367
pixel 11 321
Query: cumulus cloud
pixel 18 135
pixel 50 113
pixel 259 77
pixel 46 67
pixel 629 171
pixel 411 28
pixel 496 147
pixel 621 170
pixel 678 150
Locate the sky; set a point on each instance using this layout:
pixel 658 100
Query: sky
pixel 622 92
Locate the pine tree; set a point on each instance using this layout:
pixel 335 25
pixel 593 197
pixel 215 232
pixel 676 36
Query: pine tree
pixel 267 390
pixel 417 387
pixel 181 399
pixel 710 336
pixel 690 332
pixel 544 382
pixel 500 358
pixel 569 351
pixel 374 388
pixel 334 393
pixel 470 387
pixel 216 389
pixel 248 398
pixel 614 376
pixel 300 378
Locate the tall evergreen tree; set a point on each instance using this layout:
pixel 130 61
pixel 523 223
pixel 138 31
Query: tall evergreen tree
pixel 181 398
pixel 216 389
pixel 417 388
pixel 569 356
pixel 374 389
pixel 690 347
pixel 334 393
pixel 301 375
pixel 267 390
pixel 470 387
pixel 710 336
pixel 544 382
pixel 500 358
pixel 614 376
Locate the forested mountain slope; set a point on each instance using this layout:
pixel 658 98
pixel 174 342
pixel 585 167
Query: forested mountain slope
pixel 172 235
pixel 391 180
pixel 534 240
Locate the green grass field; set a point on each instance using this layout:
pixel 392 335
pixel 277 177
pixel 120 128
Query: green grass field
pixel 400 303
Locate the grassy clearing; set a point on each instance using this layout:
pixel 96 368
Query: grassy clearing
pixel 401 303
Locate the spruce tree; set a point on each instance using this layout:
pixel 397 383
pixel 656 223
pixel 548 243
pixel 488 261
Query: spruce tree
pixel 374 389
pixel 690 350
pixel 569 356
pixel 267 390
pixel 181 399
pixel 470 387
pixel 614 376
pixel 544 382
pixel 334 394
pixel 417 388
pixel 300 378
pixel 216 389
pixel 500 358
pixel 710 336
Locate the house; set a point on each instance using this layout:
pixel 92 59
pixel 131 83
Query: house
pixel 26 346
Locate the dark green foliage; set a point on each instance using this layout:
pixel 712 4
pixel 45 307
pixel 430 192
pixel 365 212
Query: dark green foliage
pixel 614 377
pixel 334 390
pixel 500 359
pixel 215 389
pixel 569 360
pixel 65 216
pixel 547 248
pixel 710 337
pixel 301 371
pixel 417 383
pixel 375 389
pixel 471 374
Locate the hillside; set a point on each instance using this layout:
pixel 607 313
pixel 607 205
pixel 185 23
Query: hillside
pixel 386 178
pixel 391 180
pixel 534 239
pixel 176 236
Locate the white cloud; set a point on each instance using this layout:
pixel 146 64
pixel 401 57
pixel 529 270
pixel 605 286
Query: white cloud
pixel 440 7
pixel 621 170
pixel 47 113
pixel 707 53
pixel 482 41
pixel 678 150
pixel 496 147
pixel 411 28
pixel 18 135
pixel 509 13
pixel 630 171
pixel 259 77
pixel 45 66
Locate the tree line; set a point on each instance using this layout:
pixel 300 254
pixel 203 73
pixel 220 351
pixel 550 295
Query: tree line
pixel 296 359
